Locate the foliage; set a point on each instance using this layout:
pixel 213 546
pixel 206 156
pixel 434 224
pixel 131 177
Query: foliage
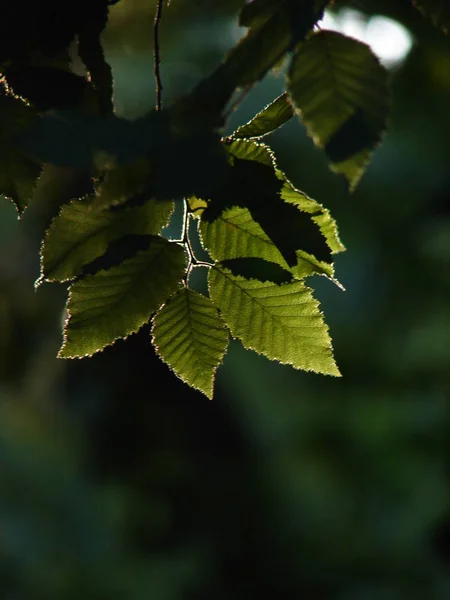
pixel 263 236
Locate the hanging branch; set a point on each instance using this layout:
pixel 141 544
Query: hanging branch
pixel 156 55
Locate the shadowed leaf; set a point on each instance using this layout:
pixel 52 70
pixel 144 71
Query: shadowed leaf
pixel 339 90
pixel 80 234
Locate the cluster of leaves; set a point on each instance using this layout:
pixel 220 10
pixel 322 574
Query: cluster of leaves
pixel 263 236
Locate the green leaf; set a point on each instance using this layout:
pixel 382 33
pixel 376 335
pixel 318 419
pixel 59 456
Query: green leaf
pixel 234 234
pixel 274 31
pixel 191 338
pixel 80 234
pixel 18 174
pixel 436 10
pixel 261 214
pixel 116 302
pixel 339 89
pixel 282 322
pixel 270 118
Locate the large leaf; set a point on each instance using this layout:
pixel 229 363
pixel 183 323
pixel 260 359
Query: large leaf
pixel 436 10
pixel 116 302
pixel 191 338
pixel 80 234
pixel 282 322
pixel 266 121
pixel 339 89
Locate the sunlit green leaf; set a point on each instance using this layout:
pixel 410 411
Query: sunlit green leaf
pixel 191 338
pixel 80 234
pixel 282 322
pixel 235 234
pixel 255 216
pixel 339 90
pixel 116 302
pixel 436 10
pixel 266 121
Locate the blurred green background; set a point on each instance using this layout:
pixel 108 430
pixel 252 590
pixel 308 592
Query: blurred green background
pixel 119 482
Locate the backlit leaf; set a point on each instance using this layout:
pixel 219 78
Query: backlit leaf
pixel 235 234
pixel 191 338
pixel 118 301
pixel 266 121
pixel 80 234
pixel 339 89
pixel 282 322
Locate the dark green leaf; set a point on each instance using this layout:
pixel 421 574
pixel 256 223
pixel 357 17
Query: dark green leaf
pixel 436 10
pixel 274 31
pixel 80 234
pixel 255 184
pixel 339 90
pixel 18 174
pixel 47 87
pixel 191 338
pixel 257 268
pixel 282 322
pixel 116 302
pixel 234 234
pixel 266 121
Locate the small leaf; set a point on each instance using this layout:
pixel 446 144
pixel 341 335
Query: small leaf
pixel 191 338
pixel 436 10
pixel 270 118
pixel 116 302
pixel 80 234
pixel 339 89
pixel 282 322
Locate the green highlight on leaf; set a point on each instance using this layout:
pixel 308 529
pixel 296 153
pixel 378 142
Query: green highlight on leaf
pixel 282 322
pixel 118 301
pixel 436 10
pixel 285 227
pixel 80 234
pixel 191 338
pixel 339 90
pixel 270 118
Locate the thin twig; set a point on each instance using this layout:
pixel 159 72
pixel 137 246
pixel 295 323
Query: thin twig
pixel 156 55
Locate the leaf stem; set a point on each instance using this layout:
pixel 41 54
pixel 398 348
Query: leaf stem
pixel 156 54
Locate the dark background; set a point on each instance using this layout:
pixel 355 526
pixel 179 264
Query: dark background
pixel 117 481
